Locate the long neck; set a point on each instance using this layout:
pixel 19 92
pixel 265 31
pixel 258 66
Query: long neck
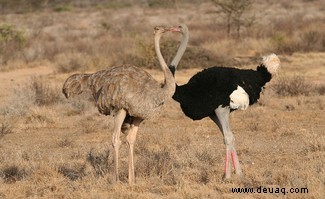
pixel 169 86
pixel 181 50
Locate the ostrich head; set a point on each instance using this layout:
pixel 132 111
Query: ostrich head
pixel 182 28
pixel 160 30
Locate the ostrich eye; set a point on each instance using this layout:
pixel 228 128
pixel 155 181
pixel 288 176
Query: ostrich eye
pixel 180 27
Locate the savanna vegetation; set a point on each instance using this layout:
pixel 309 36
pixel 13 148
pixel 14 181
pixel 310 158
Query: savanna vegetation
pixel 51 147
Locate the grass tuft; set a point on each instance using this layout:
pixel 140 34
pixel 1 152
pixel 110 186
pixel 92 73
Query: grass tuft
pixel 158 163
pixel 5 129
pixel 73 172
pixel 12 174
pixel 99 162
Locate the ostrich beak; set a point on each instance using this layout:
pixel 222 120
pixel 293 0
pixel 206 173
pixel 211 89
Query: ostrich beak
pixel 175 29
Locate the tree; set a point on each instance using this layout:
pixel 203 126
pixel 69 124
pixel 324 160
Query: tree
pixel 234 10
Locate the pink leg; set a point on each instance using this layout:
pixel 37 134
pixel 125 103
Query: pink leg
pixel 235 161
pixel 222 120
pixel 227 164
pixel 231 153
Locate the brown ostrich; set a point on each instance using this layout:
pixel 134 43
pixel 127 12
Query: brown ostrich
pixel 129 94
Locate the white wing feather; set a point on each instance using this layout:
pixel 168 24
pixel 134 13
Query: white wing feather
pixel 239 99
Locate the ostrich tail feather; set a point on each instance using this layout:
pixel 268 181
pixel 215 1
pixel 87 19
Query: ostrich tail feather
pixel 271 62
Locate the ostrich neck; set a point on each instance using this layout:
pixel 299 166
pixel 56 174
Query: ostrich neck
pixel 169 86
pixel 181 50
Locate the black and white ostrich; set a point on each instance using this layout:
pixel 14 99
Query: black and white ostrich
pixel 217 91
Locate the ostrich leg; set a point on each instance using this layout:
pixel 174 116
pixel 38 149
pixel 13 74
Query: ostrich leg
pixel 130 138
pixel 118 121
pixel 222 120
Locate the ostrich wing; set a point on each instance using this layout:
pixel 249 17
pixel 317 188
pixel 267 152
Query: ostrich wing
pixel 127 87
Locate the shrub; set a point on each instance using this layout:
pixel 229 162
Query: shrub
pixel 161 3
pixel 157 163
pixel 35 92
pixel 115 4
pixel 73 172
pixel 44 94
pixel 11 174
pixel 70 62
pixel 312 40
pixel 320 89
pixel 304 41
pixel 61 8
pixel 99 162
pixel 294 86
pixel 22 6
pixel 8 33
pixel 11 41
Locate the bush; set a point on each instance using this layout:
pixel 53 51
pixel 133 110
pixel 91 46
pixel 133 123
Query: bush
pixel 304 41
pixel 312 40
pixel 73 172
pixel 36 92
pixel 294 86
pixel 61 8
pixel 320 89
pixel 11 174
pixel 157 163
pixel 99 162
pixel 161 3
pixel 44 94
pixel 21 6
pixel 11 41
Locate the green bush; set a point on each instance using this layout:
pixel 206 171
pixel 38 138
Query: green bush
pixel 11 41
pixel 161 3
pixel 22 6
pixel 61 8
pixel 9 34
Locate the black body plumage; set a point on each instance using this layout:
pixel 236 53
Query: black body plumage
pixel 210 88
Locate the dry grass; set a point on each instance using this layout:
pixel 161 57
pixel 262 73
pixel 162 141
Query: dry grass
pixel 295 86
pixel 51 147
pixel 5 129
pixel 53 153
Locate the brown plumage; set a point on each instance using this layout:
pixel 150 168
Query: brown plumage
pixel 128 93
pixel 137 92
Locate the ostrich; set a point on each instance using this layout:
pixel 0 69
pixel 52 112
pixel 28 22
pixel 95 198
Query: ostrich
pixel 217 91
pixel 129 94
